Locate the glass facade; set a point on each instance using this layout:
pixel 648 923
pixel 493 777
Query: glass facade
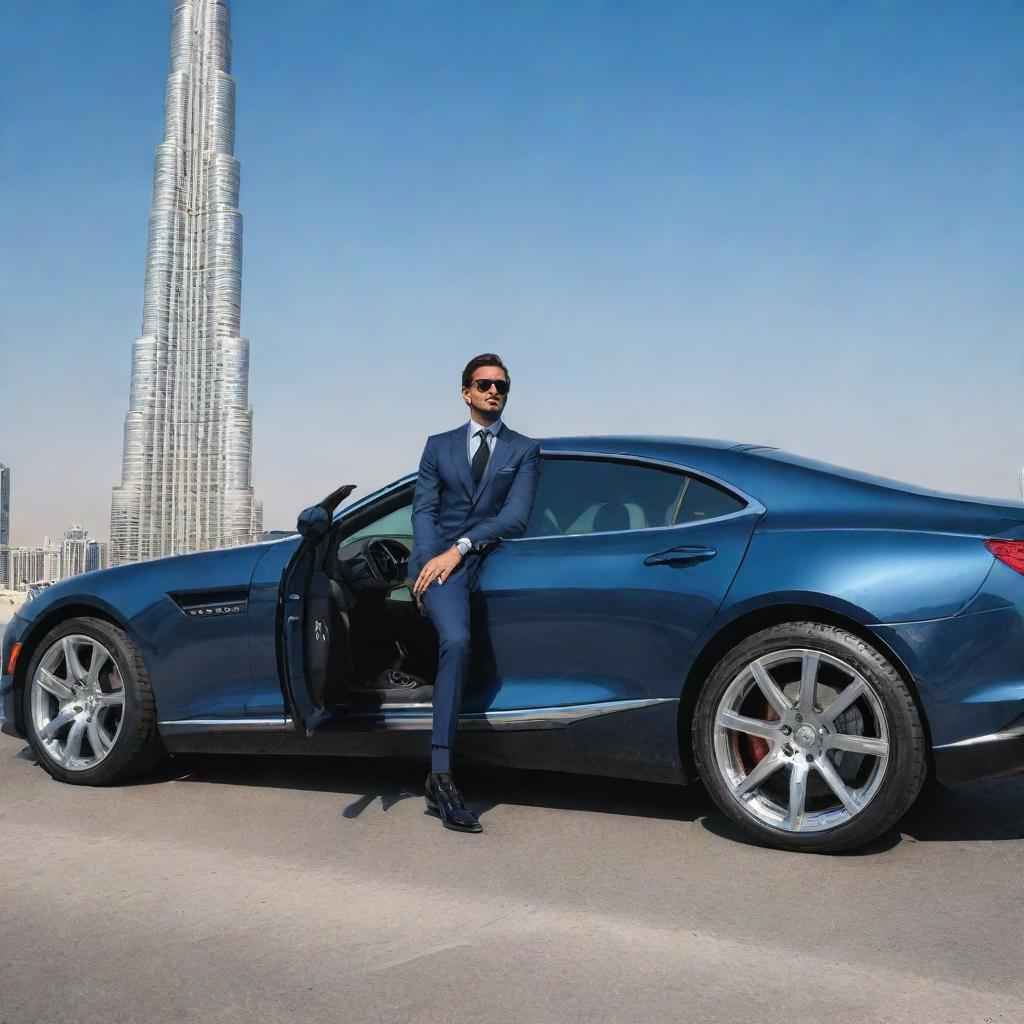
pixel 187 458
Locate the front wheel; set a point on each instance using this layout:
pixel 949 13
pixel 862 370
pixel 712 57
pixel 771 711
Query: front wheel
pixel 89 709
pixel 809 739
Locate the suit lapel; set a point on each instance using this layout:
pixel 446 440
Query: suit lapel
pixel 459 453
pixel 499 457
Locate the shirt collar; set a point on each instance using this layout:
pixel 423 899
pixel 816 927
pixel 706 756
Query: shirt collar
pixel 494 428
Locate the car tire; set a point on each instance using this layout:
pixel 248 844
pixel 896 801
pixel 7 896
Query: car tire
pixel 89 710
pixel 809 739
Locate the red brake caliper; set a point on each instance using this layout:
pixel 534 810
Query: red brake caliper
pixel 756 746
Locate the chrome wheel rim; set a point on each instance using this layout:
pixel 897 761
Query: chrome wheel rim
pixel 77 702
pixel 801 741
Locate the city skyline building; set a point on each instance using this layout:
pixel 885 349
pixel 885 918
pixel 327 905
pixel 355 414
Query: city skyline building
pixel 5 505
pixel 53 561
pixel 95 555
pixel 186 475
pixel 25 565
pixel 72 551
pixel 52 569
pixel 5 526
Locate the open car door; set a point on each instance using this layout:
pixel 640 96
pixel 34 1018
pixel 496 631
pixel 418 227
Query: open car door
pixel 305 592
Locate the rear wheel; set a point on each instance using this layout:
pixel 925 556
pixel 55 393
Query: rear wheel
pixel 89 709
pixel 808 738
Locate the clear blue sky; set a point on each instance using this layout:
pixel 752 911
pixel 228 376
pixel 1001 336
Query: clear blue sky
pixel 798 224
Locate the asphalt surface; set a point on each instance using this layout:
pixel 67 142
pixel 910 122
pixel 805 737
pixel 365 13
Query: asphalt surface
pixel 295 889
pixel 223 889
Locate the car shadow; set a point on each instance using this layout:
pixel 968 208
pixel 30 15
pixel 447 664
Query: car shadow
pixel 990 811
pixel 392 780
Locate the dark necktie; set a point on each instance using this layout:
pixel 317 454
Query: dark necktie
pixel 481 455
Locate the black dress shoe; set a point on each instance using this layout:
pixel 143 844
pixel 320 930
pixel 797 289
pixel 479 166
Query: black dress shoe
pixel 444 800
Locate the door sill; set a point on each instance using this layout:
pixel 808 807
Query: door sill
pixel 409 717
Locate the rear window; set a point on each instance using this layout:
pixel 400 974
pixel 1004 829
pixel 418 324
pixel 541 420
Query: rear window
pixel 578 495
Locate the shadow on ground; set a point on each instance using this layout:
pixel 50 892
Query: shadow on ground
pixel 992 811
pixel 986 811
pixel 391 780
pixel 980 811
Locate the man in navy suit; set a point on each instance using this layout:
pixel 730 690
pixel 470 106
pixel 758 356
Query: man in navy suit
pixel 476 486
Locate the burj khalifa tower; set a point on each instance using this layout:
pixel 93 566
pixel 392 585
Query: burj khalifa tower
pixel 187 463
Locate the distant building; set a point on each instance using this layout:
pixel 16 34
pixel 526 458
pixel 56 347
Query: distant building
pixel 5 506
pixel 95 556
pixel 53 561
pixel 5 525
pixel 24 566
pixel 51 571
pixel 187 459
pixel 72 551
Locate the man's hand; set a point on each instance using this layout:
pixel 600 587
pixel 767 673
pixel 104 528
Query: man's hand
pixel 438 568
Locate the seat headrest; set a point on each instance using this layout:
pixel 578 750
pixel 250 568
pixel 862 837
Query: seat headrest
pixel 637 516
pixel 611 516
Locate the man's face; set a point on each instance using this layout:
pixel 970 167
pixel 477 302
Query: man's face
pixel 489 403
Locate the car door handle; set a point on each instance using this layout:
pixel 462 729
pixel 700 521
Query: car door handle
pixel 687 555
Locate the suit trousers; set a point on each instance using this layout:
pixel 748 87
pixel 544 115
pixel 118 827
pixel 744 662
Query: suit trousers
pixel 450 606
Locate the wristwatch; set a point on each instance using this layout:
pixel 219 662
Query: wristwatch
pixel 463 544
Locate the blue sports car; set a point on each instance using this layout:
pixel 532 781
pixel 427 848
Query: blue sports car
pixel 809 642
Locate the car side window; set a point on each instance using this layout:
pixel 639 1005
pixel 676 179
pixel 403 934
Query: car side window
pixel 389 521
pixel 701 500
pixel 594 495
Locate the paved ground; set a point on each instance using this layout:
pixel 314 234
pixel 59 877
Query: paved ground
pixel 294 889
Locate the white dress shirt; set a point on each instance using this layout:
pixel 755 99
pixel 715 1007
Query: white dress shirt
pixel 473 442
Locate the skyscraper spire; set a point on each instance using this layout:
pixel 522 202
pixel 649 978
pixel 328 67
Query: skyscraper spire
pixel 187 463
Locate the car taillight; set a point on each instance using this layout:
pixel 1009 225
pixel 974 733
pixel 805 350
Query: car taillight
pixel 1009 551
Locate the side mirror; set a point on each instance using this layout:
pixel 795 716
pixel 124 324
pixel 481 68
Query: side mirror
pixel 314 521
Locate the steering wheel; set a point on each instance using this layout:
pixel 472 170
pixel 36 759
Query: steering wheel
pixel 387 559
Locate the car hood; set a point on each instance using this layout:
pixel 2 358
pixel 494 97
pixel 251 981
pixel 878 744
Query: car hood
pixel 223 567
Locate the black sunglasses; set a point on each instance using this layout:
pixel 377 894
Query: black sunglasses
pixel 483 384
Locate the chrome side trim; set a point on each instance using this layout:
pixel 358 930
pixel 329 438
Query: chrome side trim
pixel 640 529
pixel 277 724
pixel 419 718
pixel 993 737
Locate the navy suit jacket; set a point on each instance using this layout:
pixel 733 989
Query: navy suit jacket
pixel 447 506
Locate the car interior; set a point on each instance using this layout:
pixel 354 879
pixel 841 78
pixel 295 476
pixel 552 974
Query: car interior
pixel 380 649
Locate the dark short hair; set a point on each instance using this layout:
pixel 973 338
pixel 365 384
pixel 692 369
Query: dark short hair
pixel 487 359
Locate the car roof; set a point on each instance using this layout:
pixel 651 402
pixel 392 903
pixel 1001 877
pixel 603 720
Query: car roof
pixel 777 478
pixel 649 446
pixel 714 456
